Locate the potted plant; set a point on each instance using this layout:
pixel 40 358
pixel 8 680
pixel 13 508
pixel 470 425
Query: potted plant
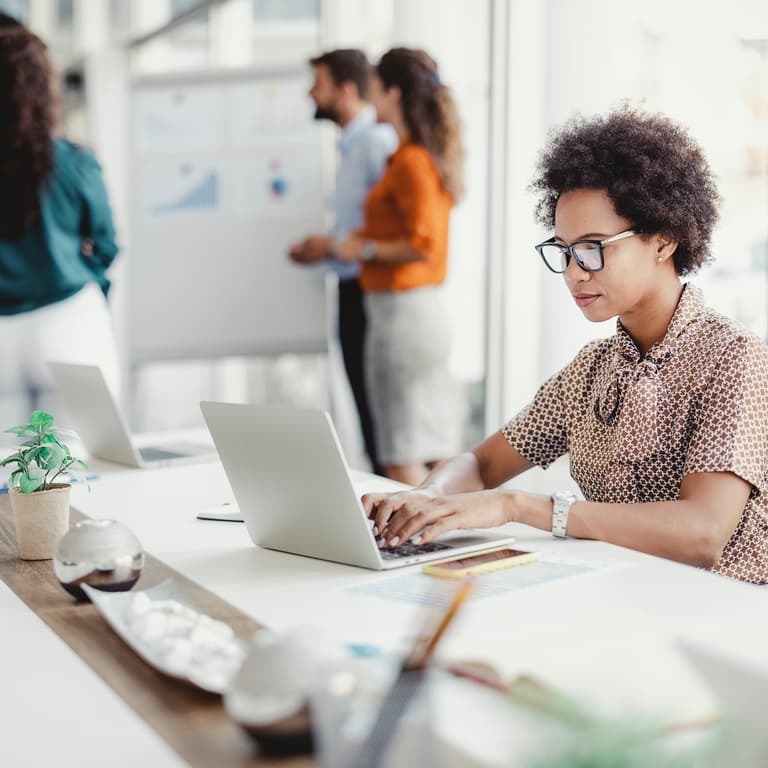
pixel 40 504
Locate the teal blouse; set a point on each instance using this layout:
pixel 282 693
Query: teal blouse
pixel 47 265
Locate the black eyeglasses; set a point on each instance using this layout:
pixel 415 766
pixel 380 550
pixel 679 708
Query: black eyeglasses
pixel 587 253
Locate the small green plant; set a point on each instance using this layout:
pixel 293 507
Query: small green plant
pixel 42 457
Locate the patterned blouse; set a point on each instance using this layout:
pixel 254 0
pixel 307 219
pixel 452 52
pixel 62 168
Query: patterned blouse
pixel 634 427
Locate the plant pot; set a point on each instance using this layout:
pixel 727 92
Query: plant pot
pixel 42 518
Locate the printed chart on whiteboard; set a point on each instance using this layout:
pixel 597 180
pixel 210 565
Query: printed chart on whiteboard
pixel 227 174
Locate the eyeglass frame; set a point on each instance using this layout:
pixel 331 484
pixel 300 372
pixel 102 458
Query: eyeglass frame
pixel 572 254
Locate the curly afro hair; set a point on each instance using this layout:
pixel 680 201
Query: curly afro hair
pixel 653 171
pixel 27 116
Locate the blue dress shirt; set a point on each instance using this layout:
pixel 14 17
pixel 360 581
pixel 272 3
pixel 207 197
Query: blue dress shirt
pixel 364 148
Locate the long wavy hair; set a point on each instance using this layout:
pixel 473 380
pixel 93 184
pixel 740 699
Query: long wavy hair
pixel 429 111
pixel 27 116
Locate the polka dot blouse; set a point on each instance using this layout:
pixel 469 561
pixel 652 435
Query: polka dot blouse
pixel 634 427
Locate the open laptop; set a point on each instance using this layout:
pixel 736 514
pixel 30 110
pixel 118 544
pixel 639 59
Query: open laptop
pixel 295 493
pixel 99 422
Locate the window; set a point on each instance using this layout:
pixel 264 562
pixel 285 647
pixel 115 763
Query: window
pixel 65 13
pixel 19 9
pixel 270 10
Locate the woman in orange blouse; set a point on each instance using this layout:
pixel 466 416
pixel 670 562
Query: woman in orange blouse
pixel 403 247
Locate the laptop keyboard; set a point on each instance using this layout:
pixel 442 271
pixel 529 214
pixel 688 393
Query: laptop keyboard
pixel 408 550
pixel 158 454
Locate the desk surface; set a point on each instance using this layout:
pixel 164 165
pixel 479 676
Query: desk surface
pixel 282 590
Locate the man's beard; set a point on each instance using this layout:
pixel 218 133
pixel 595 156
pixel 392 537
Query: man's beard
pixel 326 113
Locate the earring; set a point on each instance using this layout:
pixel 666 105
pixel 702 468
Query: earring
pixel 661 258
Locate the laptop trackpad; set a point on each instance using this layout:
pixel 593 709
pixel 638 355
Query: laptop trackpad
pixel 151 453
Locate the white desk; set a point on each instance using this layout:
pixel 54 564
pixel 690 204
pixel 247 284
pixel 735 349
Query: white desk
pixel 281 590
pixel 56 711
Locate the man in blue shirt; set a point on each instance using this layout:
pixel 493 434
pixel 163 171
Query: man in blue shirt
pixel 339 91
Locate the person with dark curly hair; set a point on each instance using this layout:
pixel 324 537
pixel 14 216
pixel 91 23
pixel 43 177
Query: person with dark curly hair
pixel 666 422
pixel 7 20
pixel 403 250
pixel 56 237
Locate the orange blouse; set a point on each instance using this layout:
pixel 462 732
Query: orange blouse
pixel 408 202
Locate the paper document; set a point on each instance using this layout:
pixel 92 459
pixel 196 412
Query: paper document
pixel 424 590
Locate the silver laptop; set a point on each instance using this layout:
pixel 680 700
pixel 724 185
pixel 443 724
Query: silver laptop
pixel 295 493
pixel 99 422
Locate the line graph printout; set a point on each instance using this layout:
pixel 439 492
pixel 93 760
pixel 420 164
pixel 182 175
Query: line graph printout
pixel 178 120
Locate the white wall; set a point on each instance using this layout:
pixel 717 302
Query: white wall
pixel 440 28
pixel 590 56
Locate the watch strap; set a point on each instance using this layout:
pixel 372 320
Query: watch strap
pixel 562 501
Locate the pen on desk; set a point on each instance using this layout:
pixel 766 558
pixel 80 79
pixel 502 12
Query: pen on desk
pixel 425 647
pixel 407 684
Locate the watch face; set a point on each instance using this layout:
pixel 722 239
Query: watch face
pixel 368 249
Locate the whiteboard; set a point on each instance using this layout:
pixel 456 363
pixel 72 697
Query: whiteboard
pixel 227 173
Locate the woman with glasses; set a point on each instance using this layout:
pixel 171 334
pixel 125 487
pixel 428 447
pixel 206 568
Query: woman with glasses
pixel 666 422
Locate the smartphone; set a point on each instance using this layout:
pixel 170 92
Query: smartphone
pixel 483 562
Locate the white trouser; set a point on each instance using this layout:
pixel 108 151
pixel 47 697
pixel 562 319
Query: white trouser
pixel 76 330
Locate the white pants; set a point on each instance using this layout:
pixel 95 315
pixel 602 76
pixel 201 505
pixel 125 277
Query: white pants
pixel 76 330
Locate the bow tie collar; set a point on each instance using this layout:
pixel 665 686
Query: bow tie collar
pixel 632 396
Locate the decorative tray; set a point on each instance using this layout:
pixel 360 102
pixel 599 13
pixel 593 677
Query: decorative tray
pixel 167 632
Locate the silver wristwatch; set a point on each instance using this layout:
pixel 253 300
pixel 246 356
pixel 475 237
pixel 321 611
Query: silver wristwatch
pixel 368 250
pixel 562 502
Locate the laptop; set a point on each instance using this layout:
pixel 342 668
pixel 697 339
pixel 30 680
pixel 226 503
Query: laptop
pixel 295 493
pixel 97 419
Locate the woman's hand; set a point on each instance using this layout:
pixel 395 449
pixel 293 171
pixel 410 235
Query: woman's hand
pixel 420 515
pixel 350 249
